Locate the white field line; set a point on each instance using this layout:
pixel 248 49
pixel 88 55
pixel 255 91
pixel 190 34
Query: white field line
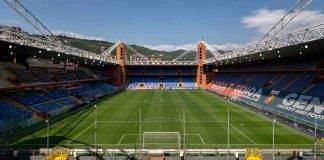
pixel 158 100
pixel 201 139
pixel 238 144
pixel 162 118
pixel 81 133
pixel 292 130
pixel 163 102
pixel 162 121
pixel 121 139
pixel 242 133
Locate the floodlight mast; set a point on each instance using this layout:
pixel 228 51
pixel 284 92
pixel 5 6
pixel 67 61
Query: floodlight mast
pixel 108 52
pixel 145 58
pixel 186 52
pixel 214 52
pixel 181 56
pixel 269 40
pixel 297 8
pixel 31 19
pixel 51 43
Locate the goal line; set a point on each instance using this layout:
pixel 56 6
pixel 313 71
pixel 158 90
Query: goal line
pixel 126 136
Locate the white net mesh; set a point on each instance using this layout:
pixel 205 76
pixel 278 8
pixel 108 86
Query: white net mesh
pixel 161 140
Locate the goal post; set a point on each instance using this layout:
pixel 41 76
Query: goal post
pixel 161 140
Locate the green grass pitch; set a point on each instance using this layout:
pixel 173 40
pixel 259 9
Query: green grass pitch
pixel 118 123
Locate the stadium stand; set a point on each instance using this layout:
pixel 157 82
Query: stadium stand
pixel 10 114
pixel 31 90
pixel 275 87
pixel 263 95
pixel 188 83
pixel 27 97
pixel 47 107
pixel 171 82
pixel 56 94
pixel 159 77
pixel 66 101
pixel 317 89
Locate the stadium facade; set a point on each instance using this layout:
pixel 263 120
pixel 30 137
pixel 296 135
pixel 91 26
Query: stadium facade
pixel 36 84
pixel 63 101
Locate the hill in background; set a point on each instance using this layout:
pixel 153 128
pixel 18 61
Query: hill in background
pixel 99 46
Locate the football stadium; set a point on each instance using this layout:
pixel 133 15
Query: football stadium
pixel 64 97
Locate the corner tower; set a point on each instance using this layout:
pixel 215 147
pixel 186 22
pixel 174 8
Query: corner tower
pixel 201 57
pixel 121 69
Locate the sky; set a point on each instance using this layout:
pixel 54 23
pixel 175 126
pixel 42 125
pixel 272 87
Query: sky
pixel 164 24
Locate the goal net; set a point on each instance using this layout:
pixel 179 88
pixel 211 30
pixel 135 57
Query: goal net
pixel 161 140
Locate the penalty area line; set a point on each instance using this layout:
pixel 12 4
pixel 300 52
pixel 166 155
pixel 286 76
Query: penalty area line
pixel 81 133
pixel 124 135
pixel 199 136
pixel 121 139
pixel 242 133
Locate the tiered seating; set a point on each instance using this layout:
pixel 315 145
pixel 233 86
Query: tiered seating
pixel 23 75
pixel 151 82
pixel 65 76
pixel 88 92
pixel 42 76
pixel 81 75
pixel 288 82
pixel 171 82
pixel 161 70
pixel 27 98
pixel 188 83
pixel 307 64
pixel 136 70
pixel 284 81
pixel 301 83
pixel 47 107
pixel 248 68
pixel 260 79
pixel 100 74
pixel 2 84
pixel 296 65
pixel 317 89
pixel 71 75
pixel 233 78
pixel 56 94
pixel 97 90
pixel 67 101
pixel 78 90
pixel 134 82
pixel 187 71
pixel 153 71
pixel 11 114
pixel 172 71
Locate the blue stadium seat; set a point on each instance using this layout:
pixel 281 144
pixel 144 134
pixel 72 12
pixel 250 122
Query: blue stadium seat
pixel 47 107
pixel 317 89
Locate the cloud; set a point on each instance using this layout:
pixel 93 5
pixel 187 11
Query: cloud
pixel 78 35
pixel 263 19
pixel 193 47
pixel 171 47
